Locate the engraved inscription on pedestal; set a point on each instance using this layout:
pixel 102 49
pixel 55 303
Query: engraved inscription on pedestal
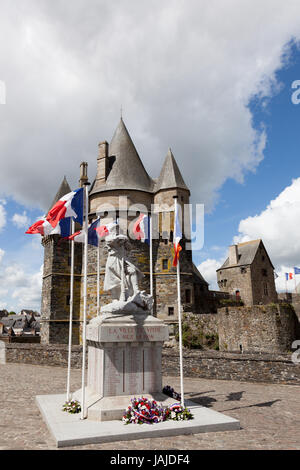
pixel 124 360
pixel 133 378
pixel 114 371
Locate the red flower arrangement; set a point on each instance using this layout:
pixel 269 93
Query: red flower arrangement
pixel 142 410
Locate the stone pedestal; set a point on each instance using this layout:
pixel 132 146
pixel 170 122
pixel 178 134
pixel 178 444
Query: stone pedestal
pixel 124 360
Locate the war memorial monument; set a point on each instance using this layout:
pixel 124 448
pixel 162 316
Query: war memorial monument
pixel 125 338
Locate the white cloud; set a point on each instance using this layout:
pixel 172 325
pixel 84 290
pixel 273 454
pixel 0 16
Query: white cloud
pixel 183 71
pixel 2 252
pixel 277 226
pixel 208 270
pixel 29 293
pixel 22 288
pixel 21 220
pixel 2 216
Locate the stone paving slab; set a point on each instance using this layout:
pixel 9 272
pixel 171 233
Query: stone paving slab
pixel 269 414
pixel 69 430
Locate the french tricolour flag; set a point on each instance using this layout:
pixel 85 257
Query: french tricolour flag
pixel 141 228
pixel 288 276
pixel 44 228
pixel 95 232
pixel 70 205
pixel 92 234
pixel 177 238
pixel 104 230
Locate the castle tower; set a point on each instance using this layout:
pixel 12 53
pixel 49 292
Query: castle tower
pixel 248 274
pixel 55 308
pixel 122 189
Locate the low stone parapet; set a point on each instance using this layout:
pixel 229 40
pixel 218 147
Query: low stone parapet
pixel 252 367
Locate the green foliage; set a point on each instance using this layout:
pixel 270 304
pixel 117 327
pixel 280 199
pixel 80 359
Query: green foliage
pixel 287 306
pixel 12 313
pixel 194 338
pixel 72 406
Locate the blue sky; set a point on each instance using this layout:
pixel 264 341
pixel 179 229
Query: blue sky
pixel 281 164
pixel 213 83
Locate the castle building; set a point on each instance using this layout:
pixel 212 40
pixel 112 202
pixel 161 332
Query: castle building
pixel 122 189
pixel 248 274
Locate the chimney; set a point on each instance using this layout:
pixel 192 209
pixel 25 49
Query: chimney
pixel 83 174
pixel 233 255
pixel 102 163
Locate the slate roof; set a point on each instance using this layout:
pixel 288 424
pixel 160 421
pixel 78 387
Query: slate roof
pixel 8 321
pixel 170 176
pixel 246 254
pixel 126 168
pixel 198 274
pixel 62 190
pixel 20 322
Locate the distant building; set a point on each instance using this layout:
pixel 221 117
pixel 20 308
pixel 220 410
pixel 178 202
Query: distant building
pixel 248 274
pixel 19 325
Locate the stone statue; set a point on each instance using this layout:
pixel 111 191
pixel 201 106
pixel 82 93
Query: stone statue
pixel 122 277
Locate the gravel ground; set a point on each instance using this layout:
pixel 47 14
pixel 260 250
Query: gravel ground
pixel 269 414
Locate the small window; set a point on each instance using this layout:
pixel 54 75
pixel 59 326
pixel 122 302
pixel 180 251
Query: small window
pixel 69 260
pixel 265 289
pixel 68 300
pixel 263 258
pixel 243 270
pixel 264 272
pixel 170 311
pixel 188 296
pixel 165 264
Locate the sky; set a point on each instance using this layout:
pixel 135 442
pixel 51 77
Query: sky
pixel 212 80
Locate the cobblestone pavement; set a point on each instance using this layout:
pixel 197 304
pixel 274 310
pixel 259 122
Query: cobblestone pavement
pixel 269 414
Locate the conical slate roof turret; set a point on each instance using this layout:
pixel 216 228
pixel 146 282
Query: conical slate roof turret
pixel 63 189
pixel 126 168
pixel 170 176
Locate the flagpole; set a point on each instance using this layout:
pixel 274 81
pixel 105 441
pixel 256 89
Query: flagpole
pixel 84 301
pixel 179 314
pixel 151 259
pixel 71 310
pixel 98 277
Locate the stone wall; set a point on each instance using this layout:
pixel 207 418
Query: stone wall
pixel 260 328
pixel 268 368
pixel 254 282
pixel 41 354
pixel 208 322
pixel 235 279
pixel 291 298
pixel 55 309
pixel 262 278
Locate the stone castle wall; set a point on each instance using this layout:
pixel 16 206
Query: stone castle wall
pixel 232 279
pixel 260 328
pixel 262 277
pixel 254 282
pixel 55 309
pixel 263 367
pixel 291 298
